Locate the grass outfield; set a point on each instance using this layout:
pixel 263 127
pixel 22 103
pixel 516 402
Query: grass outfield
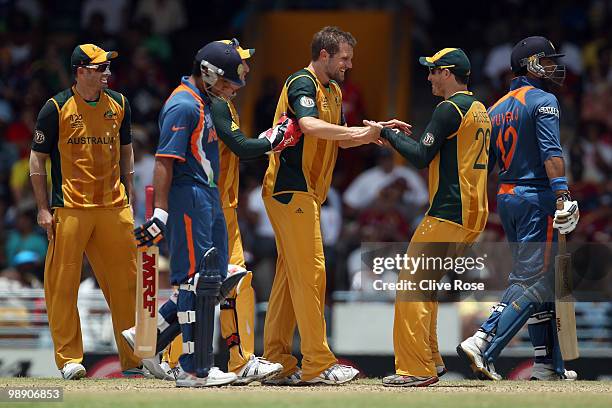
pixel 132 393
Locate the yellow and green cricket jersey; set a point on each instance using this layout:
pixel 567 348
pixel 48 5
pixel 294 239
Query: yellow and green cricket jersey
pixel 308 166
pixel 455 146
pixel 233 146
pixel 83 140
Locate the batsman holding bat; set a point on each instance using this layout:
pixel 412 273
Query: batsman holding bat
pixel 238 310
pixel 189 214
pixel 85 130
pixel 533 198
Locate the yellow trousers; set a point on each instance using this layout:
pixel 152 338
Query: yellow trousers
pixel 298 291
pixel 106 237
pixel 415 338
pixel 237 321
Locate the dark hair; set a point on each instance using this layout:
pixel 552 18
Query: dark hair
pixel 461 79
pixel 329 39
pixel 195 69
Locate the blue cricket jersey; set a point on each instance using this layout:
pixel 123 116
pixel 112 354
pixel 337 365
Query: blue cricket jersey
pixel 525 133
pixel 187 134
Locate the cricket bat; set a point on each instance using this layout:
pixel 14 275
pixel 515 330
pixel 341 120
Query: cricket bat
pixel 147 277
pixel 564 303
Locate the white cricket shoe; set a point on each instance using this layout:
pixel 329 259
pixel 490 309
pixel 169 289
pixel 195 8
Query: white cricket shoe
pixel 257 369
pixel 546 372
pixel 160 371
pixel 215 377
pixel 335 375
pixel 130 336
pixel 292 379
pixel 73 371
pixel 152 366
pixel 471 354
pixel 174 373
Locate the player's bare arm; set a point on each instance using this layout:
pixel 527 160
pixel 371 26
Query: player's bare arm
pixel 38 176
pixel 162 179
pixel 323 130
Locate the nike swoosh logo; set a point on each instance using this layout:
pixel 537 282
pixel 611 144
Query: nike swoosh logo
pixel 177 128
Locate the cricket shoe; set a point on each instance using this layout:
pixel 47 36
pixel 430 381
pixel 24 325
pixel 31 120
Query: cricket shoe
pixel 397 380
pixel 214 378
pixel 73 371
pixel 257 369
pixel 471 354
pixel 137 372
pixel 335 375
pixel 292 379
pixel 441 370
pixel 546 372
pixel 175 372
pixel 151 365
pixel 160 371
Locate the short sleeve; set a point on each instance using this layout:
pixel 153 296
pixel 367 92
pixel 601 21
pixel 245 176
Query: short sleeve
pixel 47 128
pixel 546 114
pixel 176 126
pixel 125 131
pixel 302 95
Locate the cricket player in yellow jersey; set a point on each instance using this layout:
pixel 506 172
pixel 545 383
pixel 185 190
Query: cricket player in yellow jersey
pixel 295 185
pixel 85 130
pixel 238 309
pixel 455 147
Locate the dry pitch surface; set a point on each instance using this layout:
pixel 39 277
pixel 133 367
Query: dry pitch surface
pixel 134 393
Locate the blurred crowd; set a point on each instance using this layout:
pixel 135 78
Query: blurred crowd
pixel 375 197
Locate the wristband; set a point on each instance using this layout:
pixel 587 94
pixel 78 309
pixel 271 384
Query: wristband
pixel 559 183
pixel 161 215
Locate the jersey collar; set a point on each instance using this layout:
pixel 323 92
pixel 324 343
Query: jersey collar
pixel 521 81
pixel 185 81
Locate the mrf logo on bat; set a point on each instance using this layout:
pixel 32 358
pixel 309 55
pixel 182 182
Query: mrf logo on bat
pixel 149 261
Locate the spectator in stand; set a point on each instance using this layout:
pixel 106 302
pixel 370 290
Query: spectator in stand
pixel 167 16
pixel 24 237
pixel 368 185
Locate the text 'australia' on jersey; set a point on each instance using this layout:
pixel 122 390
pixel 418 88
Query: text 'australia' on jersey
pixel 187 134
pixel 525 133
pixel 83 139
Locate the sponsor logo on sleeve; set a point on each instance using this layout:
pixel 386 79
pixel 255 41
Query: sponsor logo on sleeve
pixel 429 139
pixel 549 110
pixel 234 127
pixel 307 102
pixel 39 136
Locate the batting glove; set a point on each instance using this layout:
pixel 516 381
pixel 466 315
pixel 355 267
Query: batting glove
pixel 152 231
pixel 566 218
pixel 286 133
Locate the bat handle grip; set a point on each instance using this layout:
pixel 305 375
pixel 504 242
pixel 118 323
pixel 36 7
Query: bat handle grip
pixel 149 195
pixel 561 237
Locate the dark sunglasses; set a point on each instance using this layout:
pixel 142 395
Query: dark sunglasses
pixel 433 70
pixel 99 67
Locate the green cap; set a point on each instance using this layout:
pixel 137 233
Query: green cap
pixel 452 58
pixel 90 54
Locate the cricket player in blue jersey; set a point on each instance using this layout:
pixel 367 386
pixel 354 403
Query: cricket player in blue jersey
pixel 526 147
pixel 188 212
